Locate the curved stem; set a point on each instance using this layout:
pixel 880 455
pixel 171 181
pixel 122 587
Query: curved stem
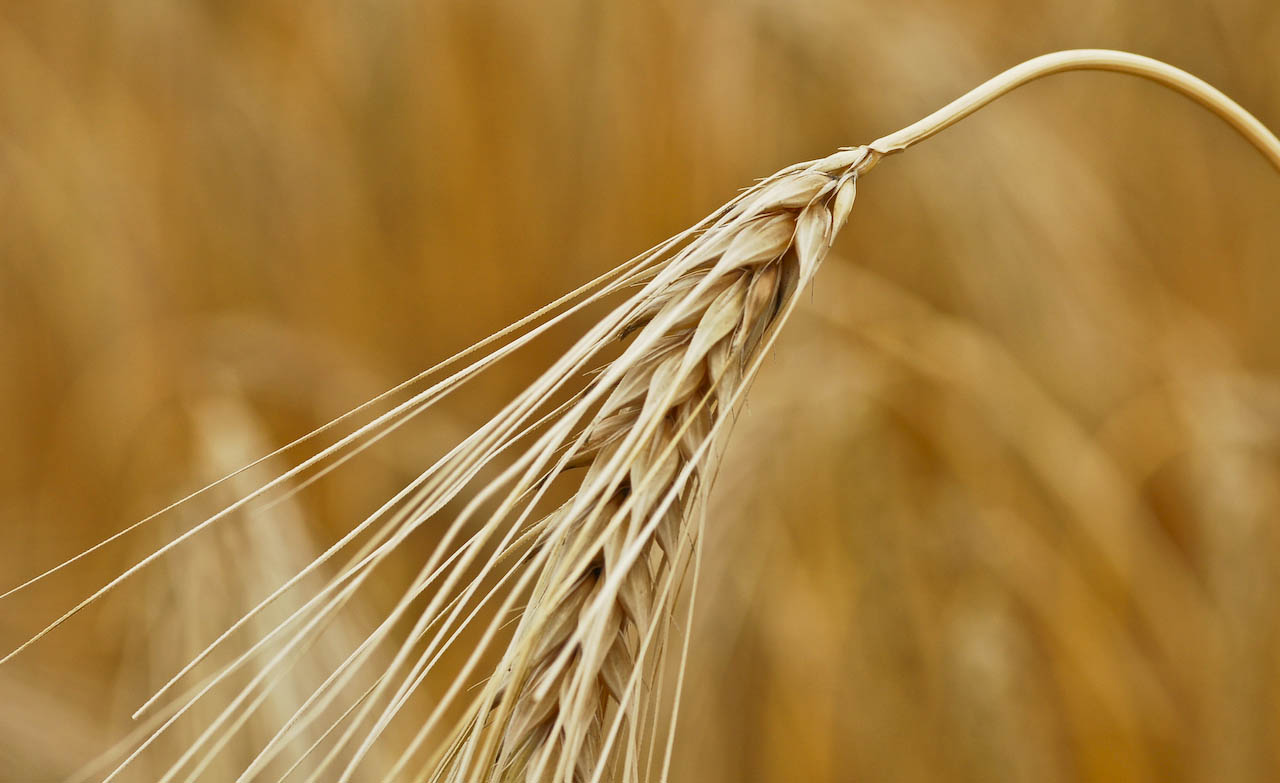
pixel 1087 60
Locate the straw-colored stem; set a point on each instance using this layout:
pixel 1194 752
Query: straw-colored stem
pixel 1087 60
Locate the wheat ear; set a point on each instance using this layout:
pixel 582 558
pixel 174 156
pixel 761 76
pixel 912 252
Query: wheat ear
pixel 634 445
pixel 645 458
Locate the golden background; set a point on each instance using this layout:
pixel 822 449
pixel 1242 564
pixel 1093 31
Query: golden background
pixel 1002 506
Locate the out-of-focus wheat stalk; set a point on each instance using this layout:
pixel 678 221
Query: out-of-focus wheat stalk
pixel 590 524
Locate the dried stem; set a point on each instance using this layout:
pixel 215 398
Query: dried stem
pixel 1087 60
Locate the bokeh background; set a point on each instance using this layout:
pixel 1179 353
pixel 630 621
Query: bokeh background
pixel 1002 506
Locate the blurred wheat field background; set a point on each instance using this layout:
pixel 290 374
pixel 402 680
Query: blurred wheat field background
pixel 1002 504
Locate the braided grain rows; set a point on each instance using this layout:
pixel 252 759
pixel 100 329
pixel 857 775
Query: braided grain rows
pixel 576 692
pixel 616 547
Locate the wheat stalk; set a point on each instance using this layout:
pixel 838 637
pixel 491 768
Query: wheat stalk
pixel 572 693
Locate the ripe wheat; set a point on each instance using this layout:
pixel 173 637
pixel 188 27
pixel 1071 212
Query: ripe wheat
pixel 615 548
pixel 574 691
